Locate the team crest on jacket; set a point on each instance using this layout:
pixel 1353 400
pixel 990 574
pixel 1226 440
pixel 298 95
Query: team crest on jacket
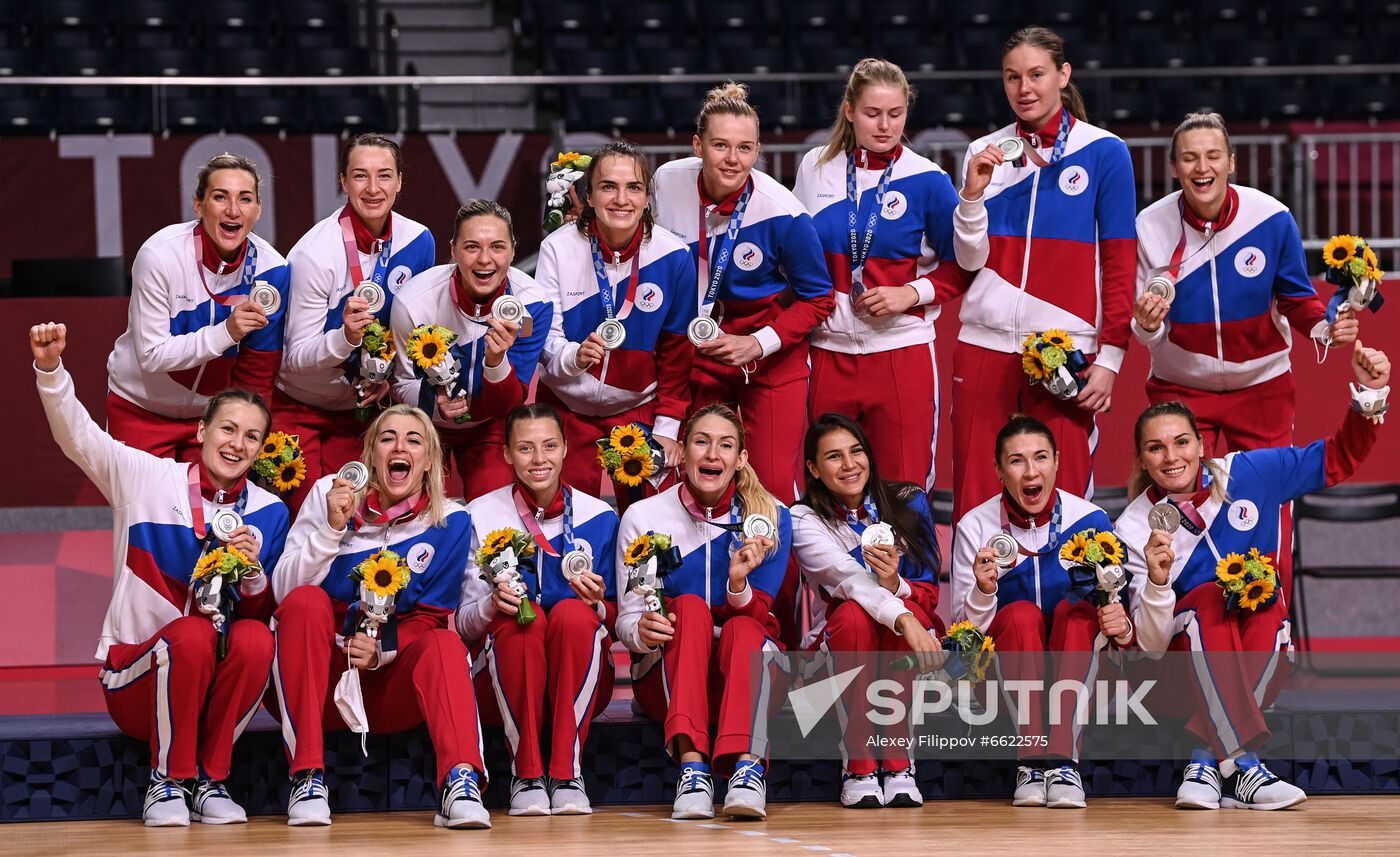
pixel 894 206
pixel 397 277
pixel 748 256
pixel 419 556
pixel 1244 515
pixel 1074 180
pixel 649 297
pixel 1250 261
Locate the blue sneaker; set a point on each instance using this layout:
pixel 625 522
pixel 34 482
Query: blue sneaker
pixel 461 802
pixel 1200 783
pixel 695 792
pixel 747 796
pixel 1253 786
pixel 308 804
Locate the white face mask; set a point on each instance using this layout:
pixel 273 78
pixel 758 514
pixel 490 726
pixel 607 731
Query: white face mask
pixel 350 702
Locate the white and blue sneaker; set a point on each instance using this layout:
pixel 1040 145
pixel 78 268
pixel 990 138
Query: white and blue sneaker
pixel 747 795
pixel 461 802
pixel 308 804
pixel 1200 783
pixel 166 803
pixel 861 791
pixel 901 790
pixel 214 805
pixel 528 796
pixel 695 792
pixel 1063 788
pixel 568 797
pixel 1030 787
pixel 1253 786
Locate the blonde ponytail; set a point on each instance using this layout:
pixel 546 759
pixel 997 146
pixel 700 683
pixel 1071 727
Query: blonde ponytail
pixel 727 99
pixel 754 499
pixel 868 72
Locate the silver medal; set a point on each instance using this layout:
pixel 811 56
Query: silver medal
pixel 508 308
pixel 356 473
pixel 576 563
pixel 760 526
pixel 612 333
pixel 373 294
pixel 1164 517
pixel 1005 548
pixel 224 522
pixel 1014 148
pixel 703 329
pixel 266 296
pixel 1162 287
pixel 877 534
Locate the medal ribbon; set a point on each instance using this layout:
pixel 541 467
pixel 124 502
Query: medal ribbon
pixel 204 533
pixel 352 254
pixel 1057 154
pixel 250 265
pixel 531 520
pixel 735 528
pixel 723 251
pixel 1054 530
pixel 859 255
pixel 871 513
pixel 605 288
pixel 409 507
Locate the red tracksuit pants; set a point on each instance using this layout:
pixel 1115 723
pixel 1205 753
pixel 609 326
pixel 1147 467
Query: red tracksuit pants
pixel 988 387
pixel 173 691
pixel 163 437
pixel 772 402
pixel 699 678
pixel 563 656
pixel 478 452
pixel 850 629
pixel 1241 674
pixel 1022 638
pixel 328 439
pixel 893 395
pixel 428 681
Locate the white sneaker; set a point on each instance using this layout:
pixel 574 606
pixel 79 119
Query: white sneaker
pixel 307 804
pixel 861 791
pixel 165 804
pixel 747 795
pixel 568 797
pixel 461 802
pixel 1200 783
pixel 1253 786
pixel 1063 788
pixel 901 789
pixel 695 793
pixel 1030 787
pixel 214 805
pixel 528 796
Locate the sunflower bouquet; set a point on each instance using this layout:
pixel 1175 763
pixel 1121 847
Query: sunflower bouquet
pixel 499 559
pixel 1248 582
pixel 280 465
pixel 1051 360
pixel 566 169
pixel 649 558
pixel 376 358
pixel 970 651
pixel 382 576
pixel 430 349
pixel 629 456
pixel 1356 272
pixel 213 587
pixel 1095 563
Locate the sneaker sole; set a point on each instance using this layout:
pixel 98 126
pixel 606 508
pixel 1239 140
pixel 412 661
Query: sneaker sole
pixel 1189 803
pixel 867 802
pixel 204 819
pixel 529 811
pixel 693 815
pixel 904 802
pixel 166 822
pixel 1065 803
pixel 461 824
pixel 746 812
pixel 1231 803
pixel 308 822
pixel 572 809
pixel 1029 801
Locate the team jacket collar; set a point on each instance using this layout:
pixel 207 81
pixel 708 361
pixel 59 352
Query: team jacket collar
pixel 721 505
pixel 469 305
pixel 218 496
pixel 624 254
pixel 1020 518
pixel 724 207
pixel 1046 135
pixel 1198 498
pixel 555 507
pixel 1227 212
pixel 365 241
pixel 213 261
pixel 866 159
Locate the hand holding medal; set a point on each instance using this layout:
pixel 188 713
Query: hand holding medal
pixel 760 536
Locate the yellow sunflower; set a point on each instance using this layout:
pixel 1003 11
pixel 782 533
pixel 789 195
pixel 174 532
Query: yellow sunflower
pixel 627 438
pixel 1111 547
pixel 206 565
pixel 1058 338
pixel 384 573
pixel 290 475
pixel 638 551
pixel 960 628
pixel 497 541
pixel 427 348
pixel 1256 592
pixel 273 445
pixel 1034 364
pixel 1076 550
pixel 1231 568
pixel 1339 251
pixel 632 471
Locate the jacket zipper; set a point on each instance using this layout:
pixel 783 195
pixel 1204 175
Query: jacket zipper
pixel 1215 297
pixel 709 512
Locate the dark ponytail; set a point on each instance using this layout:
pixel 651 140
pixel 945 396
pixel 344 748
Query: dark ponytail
pixel 1051 42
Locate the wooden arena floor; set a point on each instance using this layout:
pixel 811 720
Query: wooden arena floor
pixel 1116 827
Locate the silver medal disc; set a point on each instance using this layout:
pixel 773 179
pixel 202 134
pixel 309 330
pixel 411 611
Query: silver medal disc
pixel 373 294
pixel 508 308
pixel 356 473
pixel 1162 287
pixel 1005 547
pixel 612 333
pixel 1012 147
pixel 224 522
pixel 877 534
pixel 1164 517
pixel 576 563
pixel 760 525
pixel 702 329
pixel 266 296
